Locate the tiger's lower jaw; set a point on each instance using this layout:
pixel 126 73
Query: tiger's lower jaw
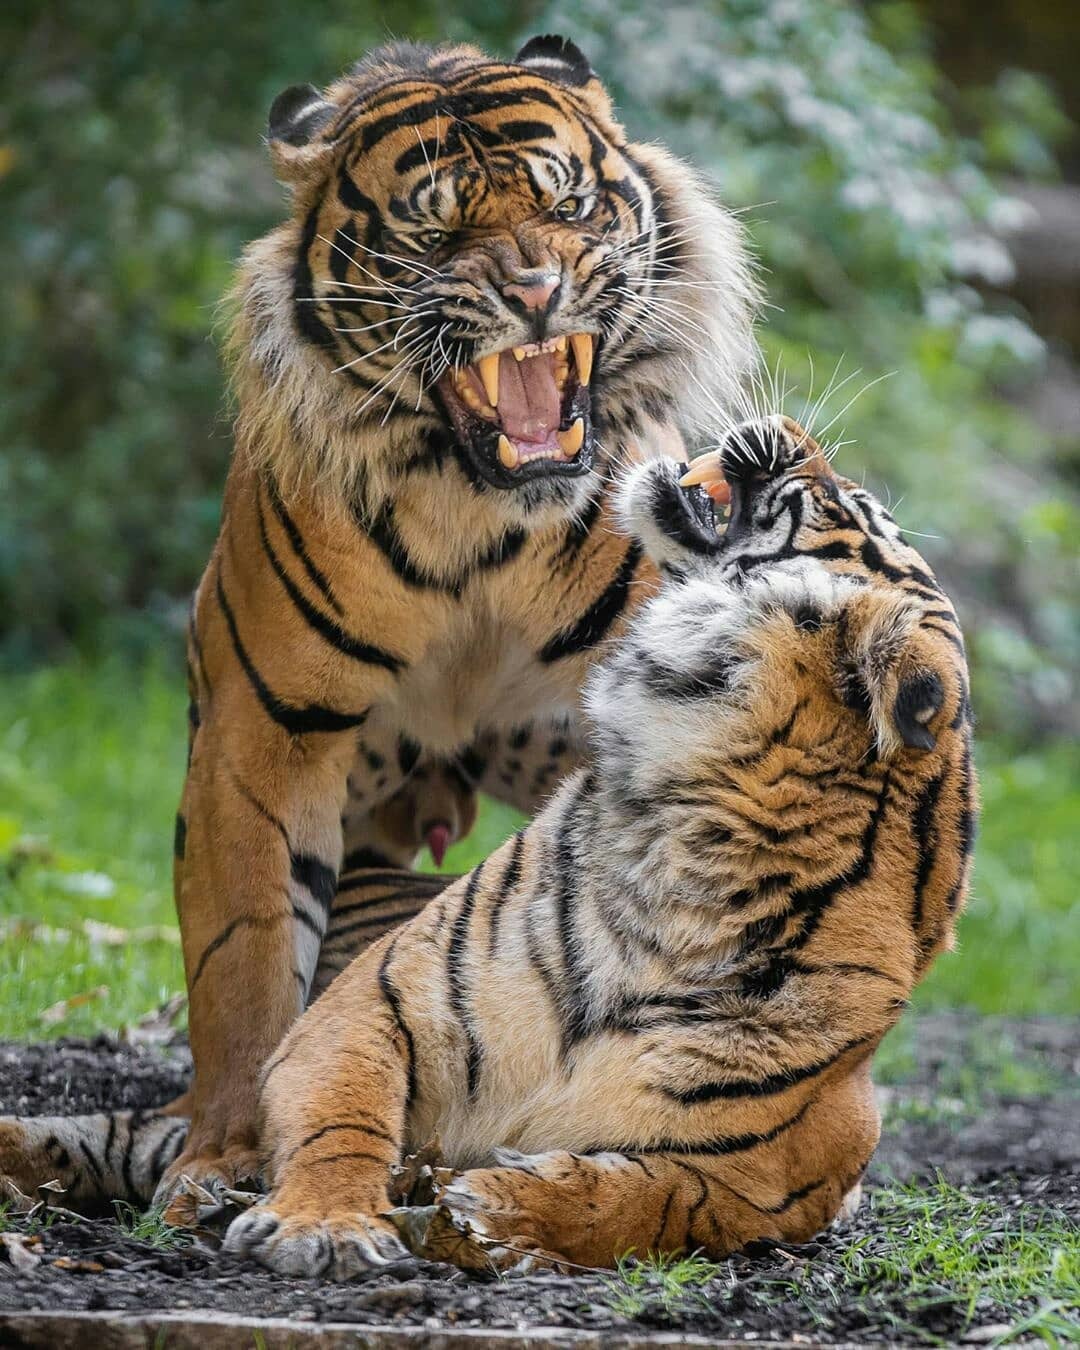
pixel 531 424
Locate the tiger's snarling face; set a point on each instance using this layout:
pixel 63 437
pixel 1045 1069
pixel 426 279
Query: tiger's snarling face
pixel 490 274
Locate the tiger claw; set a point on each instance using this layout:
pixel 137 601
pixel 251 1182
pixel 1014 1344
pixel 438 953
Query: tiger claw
pixel 335 1247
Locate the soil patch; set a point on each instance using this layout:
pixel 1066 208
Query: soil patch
pixel 1017 1154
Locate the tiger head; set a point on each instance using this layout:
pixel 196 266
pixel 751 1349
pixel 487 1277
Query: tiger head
pixel 480 277
pixel 798 536
pixel 797 685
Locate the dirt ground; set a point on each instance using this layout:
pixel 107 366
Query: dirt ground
pixel 1019 1150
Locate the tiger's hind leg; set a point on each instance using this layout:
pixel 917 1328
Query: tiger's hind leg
pixel 95 1158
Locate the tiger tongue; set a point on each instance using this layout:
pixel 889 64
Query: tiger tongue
pixel 530 405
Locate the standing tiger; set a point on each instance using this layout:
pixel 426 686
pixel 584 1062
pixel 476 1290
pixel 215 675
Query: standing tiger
pixel 647 1021
pixel 483 296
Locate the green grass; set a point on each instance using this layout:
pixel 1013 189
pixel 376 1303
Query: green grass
pixel 91 761
pixel 668 1284
pixel 148 1225
pixel 926 1249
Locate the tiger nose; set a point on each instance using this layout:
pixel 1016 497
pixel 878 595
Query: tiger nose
pixel 533 289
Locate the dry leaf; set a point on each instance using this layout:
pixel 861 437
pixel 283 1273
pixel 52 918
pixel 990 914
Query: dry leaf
pixel 207 1211
pixel 433 1232
pixel 13 1198
pixel 159 1026
pixel 58 1011
pixel 19 1253
pixel 80 1267
pixel 415 1180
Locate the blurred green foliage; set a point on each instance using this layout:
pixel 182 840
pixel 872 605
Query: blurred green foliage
pixel 132 172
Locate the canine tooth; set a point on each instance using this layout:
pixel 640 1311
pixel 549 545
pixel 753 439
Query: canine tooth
pixel 583 354
pixel 704 469
pixel 572 439
pixel 488 367
pixel 520 353
pixel 507 454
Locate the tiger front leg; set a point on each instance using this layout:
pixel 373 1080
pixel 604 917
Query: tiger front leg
pixel 258 852
pixel 332 1120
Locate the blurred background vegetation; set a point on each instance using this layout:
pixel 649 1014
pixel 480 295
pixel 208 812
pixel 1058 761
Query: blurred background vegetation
pixel 908 175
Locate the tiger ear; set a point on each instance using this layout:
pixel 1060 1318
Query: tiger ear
pixel 296 117
pixel 556 58
pixel 888 669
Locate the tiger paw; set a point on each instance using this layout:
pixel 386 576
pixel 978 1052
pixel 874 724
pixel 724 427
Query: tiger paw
pixel 332 1246
pixel 232 1169
pixel 480 1220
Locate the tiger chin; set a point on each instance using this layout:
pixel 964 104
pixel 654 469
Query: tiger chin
pixel 483 296
pixel 646 1023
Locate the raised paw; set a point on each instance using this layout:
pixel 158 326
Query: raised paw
pixel 334 1246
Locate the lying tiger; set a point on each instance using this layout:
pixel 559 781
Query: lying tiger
pixel 647 1021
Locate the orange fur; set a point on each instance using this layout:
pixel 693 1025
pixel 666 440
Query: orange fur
pixel 382 593
pixel 647 1021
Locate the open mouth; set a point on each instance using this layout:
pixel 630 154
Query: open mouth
pixel 525 412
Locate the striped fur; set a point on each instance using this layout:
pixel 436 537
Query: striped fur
pixel 647 1021
pixel 386 593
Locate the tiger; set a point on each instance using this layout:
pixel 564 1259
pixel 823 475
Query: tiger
pixel 646 1023
pixel 483 297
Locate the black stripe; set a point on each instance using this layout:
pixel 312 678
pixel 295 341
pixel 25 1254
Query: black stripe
pixel 257 805
pixel 576 1023
pixel 219 942
pixel 327 629
pixel 95 1166
pixel 507 885
pixel 924 835
pixel 343 1125
pixel 408 752
pixel 390 993
pixel 296 540
pixel 455 954
pixel 313 874
pixel 792 1198
pixel 601 614
pixel 357 1156
pixel 434 881
pixel 730 1143
pixel 386 921
pixel 769 1086
pixel 365 857
pixel 297 721
pixel 301 914
pixel 110 1139
pixel 383 533
pixel 179 837
pixel 134 1123
pixel 810 904
pixel 307 321
pixel 164 1153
